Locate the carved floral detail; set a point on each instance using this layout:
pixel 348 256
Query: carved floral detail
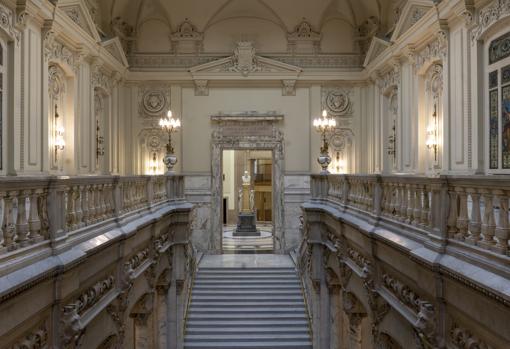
pixel 34 340
pixel 92 295
pixel 464 339
pixel 402 292
pixel 134 262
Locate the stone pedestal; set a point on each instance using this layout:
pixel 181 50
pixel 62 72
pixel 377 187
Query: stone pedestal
pixel 246 225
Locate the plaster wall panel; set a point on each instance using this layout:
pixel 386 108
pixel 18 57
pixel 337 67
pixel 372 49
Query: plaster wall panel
pixel 197 127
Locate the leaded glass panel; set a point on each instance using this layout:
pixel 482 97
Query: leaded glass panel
pixel 493 120
pixel 505 126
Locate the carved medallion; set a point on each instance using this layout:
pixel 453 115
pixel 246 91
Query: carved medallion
pixel 337 101
pixel 154 102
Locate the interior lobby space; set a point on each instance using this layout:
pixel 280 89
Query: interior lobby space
pixel 254 174
pixel 247 189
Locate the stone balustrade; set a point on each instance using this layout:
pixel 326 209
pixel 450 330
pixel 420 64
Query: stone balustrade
pixel 40 213
pixel 417 262
pixel 470 211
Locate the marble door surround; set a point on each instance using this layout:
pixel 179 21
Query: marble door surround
pixel 244 131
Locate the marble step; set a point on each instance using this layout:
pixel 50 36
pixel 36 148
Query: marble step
pixel 243 297
pixel 251 276
pixel 258 338
pixel 274 286
pixel 258 329
pixel 244 282
pixel 247 345
pixel 281 303
pixel 261 316
pixel 196 310
pixel 247 324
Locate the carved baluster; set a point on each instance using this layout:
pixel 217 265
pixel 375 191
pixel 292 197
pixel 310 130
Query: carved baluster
pixel 403 204
pixel 488 222
pixel 97 201
pixel 71 214
pixel 425 212
pixel 42 208
pixel 410 207
pixel 417 204
pixel 395 193
pixel 85 204
pixel 78 206
pixel 91 202
pixel 392 199
pixel 21 219
pixel 102 196
pixel 8 227
pixel 502 229
pixel 462 218
pixel 475 221
pixel 452 214
pixel 34 222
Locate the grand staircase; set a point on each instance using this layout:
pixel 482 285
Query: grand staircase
pixel 247 307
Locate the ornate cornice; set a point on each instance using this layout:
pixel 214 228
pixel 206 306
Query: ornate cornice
pixel 489 15
pixel 8 25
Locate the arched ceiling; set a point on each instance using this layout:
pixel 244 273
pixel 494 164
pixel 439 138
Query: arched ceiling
pixel 287 13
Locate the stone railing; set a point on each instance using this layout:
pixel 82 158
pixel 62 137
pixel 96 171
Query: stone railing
pixel 470 212
pixel 41 213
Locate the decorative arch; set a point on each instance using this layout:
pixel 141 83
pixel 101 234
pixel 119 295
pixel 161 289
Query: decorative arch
pixel 385 341
pixel 110 342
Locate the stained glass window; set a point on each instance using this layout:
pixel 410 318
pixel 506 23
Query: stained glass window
pixel 493 79
pixel 493 125
pixel 505 126
pixel 499 104
pixel 2 94
pixel 505 75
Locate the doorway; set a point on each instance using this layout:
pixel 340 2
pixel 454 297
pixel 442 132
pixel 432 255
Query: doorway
pixel 247 172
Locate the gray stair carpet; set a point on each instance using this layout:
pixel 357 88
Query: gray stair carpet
pixel 247 308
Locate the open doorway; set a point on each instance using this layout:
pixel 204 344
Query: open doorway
pixel 247 215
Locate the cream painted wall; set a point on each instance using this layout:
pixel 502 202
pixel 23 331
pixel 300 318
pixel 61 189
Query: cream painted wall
pixel 229 181
pixel 196 131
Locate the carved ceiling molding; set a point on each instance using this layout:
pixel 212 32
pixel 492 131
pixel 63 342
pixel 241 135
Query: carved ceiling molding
pixel 142 62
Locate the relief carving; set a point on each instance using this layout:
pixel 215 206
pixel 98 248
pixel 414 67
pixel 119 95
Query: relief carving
pixel 35 339
pixel 154 100
pixel 337 101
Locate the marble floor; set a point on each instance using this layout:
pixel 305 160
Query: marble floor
pixel 248 244
pixel 246 261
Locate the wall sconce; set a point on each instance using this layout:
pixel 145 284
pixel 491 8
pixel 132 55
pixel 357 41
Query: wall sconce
pixel 324 125
pixel 432 130
pixel 170 125
pixel 392 142
pixel 99 142
pixel 153 164
pixel 60 143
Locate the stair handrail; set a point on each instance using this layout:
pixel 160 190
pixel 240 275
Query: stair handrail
pixel 190 289
pixel 305 300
